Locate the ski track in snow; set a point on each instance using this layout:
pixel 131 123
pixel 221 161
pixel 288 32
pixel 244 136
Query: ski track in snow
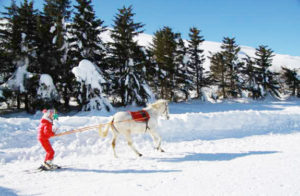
pixel 211 149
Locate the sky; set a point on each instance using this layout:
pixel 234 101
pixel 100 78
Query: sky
pixel 275 23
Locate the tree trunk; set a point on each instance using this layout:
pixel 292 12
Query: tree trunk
pixel 26 103
pixel 18 101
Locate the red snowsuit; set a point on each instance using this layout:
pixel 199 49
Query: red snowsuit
pixel 44 133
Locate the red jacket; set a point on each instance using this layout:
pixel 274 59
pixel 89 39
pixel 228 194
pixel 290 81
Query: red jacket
pixel 45 130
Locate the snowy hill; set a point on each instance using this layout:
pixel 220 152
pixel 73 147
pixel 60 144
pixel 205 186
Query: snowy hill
pixel 227 148
pixel 279 60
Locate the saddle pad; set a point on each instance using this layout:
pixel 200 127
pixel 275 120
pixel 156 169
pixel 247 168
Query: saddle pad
pixel 140 116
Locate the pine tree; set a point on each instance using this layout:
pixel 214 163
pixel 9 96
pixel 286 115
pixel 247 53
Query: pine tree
pixel 47 94
pixel 292 80
pixel 218 72
pixel 230 53
pixel 20 35
pixel 195 63
pixel 250 79
pixel 27 17
pixel 85 41
pixel 85 31
pixel 164 48
pixel 127 59
pixel 91 79
pixel 28 26
pixel 266 78
pixel 10 39
pixel 151 70
pixel 182 80
pixel 53 33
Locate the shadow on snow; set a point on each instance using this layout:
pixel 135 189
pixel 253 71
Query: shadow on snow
pixel 215 156
pixel 7 192
pixel 125 171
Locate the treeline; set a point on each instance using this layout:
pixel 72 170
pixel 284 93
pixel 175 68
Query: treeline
pixel 35 44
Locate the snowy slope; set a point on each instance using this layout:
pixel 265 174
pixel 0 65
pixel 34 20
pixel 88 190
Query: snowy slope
pixel 279 60
pixel 226 148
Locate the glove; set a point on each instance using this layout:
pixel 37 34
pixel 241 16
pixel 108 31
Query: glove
pixel 56 126
pixel 55 116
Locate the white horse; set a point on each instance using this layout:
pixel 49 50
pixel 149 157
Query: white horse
pixel 122 123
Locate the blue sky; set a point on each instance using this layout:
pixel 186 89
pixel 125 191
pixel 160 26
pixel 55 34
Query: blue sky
pixel 275 23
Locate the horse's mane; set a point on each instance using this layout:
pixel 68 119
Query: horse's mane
pixel 156 104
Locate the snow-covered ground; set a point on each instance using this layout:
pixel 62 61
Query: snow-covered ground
pixel 230 148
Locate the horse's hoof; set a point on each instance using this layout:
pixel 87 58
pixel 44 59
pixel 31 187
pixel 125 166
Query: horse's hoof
pixel 161 150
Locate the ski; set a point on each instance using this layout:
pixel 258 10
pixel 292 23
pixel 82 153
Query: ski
pixel 43 169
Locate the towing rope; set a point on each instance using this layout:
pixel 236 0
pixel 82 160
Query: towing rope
pixel 99 126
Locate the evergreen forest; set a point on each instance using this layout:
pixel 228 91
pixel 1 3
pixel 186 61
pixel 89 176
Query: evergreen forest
pixel 39 50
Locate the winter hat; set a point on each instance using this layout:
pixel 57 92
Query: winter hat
pixel 47 113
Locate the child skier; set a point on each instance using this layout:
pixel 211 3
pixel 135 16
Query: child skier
pixel 45 132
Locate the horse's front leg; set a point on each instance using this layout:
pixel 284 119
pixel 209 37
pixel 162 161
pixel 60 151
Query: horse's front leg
pixel 156 139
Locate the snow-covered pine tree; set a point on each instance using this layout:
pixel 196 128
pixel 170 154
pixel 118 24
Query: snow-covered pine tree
pixel 218 73
pixel 250 77
pixel 233 65
pixel 20 46
pixel 10 39
pixel 49 56
pixel 195 69
pixel 45 55
pixel 291 79
pixel 47 94
pixel 151 70
pixel 28 27
pixel 85 41
pixel 91 81
pixel 55 48
pixel 266 78
pixel 127 60
pixel 18 84
pixel 9 44
pixel 163 48
pixel 182 81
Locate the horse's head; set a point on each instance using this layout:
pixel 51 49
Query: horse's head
pixel 162 107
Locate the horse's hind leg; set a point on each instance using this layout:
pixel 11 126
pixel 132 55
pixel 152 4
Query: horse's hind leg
pixel 129 141
pixel 113 143
pixel 156 139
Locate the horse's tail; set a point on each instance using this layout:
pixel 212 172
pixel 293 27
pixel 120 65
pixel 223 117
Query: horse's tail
pixel 106 129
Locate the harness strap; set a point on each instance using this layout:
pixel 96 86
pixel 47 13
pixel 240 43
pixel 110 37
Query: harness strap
pixel 146 117
pixel 147 127
pixel 112 124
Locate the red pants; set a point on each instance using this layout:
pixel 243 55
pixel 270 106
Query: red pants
pixel 48 148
